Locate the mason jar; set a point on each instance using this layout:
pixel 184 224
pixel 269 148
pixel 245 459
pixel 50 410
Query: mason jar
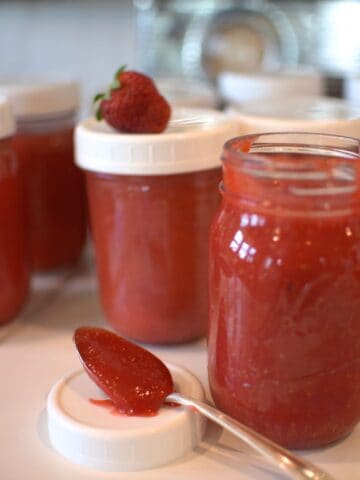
pixel 45 112
pixel 284 332
pixel 151 201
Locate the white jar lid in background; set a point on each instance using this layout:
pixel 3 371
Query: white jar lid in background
pixel 239 88
pixel 192 142
pixel 300 114
pixel 37 97
pixel 7 121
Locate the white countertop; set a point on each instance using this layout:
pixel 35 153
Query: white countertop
pixel 37 350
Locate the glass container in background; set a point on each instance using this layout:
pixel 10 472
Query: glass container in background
pixel 202 39
pixel 151 200
pixel 284 339
pixel 45 113
pixel 14 251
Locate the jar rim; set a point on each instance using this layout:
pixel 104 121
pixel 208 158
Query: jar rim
pixel 293 171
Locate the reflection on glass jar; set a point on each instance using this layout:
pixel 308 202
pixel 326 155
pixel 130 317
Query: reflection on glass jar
pixel 284 340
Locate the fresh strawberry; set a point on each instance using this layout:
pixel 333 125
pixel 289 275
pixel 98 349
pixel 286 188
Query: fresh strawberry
pixel 133 104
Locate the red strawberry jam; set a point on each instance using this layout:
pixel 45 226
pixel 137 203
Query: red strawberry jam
pixel 14 264
pixel 55 194
pixel 134 379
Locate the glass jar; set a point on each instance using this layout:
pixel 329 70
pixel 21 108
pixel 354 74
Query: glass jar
pixel 151 200
pixel 54 186
pixel 284 334
pixel 14 271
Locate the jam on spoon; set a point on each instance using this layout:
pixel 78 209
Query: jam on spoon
pixel 139 383
pixel 132 377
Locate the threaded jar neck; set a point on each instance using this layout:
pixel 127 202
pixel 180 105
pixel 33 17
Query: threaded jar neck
pixel 293 173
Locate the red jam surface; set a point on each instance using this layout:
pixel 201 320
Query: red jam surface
pixel 14 262
pixel 284 341
pixel 55 197
pixel 151 245
pixel 132 377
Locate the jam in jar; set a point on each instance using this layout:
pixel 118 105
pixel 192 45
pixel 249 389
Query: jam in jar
pixel 54 186
pixel 284 333
pixel 151 201
pixel 14 261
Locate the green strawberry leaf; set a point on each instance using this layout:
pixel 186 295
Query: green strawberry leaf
pixel 98 96
pixel 99 115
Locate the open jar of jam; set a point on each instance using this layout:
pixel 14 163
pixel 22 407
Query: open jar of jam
pixel 151 200
pixel 54 186
pixel 284 334
pixel 14 261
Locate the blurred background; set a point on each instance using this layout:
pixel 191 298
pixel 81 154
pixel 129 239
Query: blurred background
pixel 196 39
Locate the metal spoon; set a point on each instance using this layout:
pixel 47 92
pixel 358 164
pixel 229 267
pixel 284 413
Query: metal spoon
pixel 296 467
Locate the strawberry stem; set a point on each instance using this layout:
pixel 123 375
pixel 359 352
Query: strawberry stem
pixel 119 71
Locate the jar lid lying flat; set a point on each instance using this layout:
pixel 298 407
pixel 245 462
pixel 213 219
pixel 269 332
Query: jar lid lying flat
pixel 7 122
pixel 94 436
pixel 241 87
pixel 192 142
pixel 36 97
pixel 301 114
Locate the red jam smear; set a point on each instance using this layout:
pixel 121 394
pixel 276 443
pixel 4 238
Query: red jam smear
pixel 151 244
pixel 132 377
pixel 55 197
pixel 14 261
pixel 106 403
pixel 284 340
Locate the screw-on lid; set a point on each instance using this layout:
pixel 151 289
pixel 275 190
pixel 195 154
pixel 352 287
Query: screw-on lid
pixel 192 142
pixel 36 97
pixel 7 122
pixel 90 435
pixel 240 88
pixel 299 114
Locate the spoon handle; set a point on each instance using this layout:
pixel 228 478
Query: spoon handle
pixel 294 466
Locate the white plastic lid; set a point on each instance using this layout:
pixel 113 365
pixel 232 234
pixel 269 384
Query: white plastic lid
pixel 7 122
pixel 183 92
pixel 352 89
pixel 35 97
pixel 301 114
pixel 93 436
pixel 192 142
pixel 240 88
